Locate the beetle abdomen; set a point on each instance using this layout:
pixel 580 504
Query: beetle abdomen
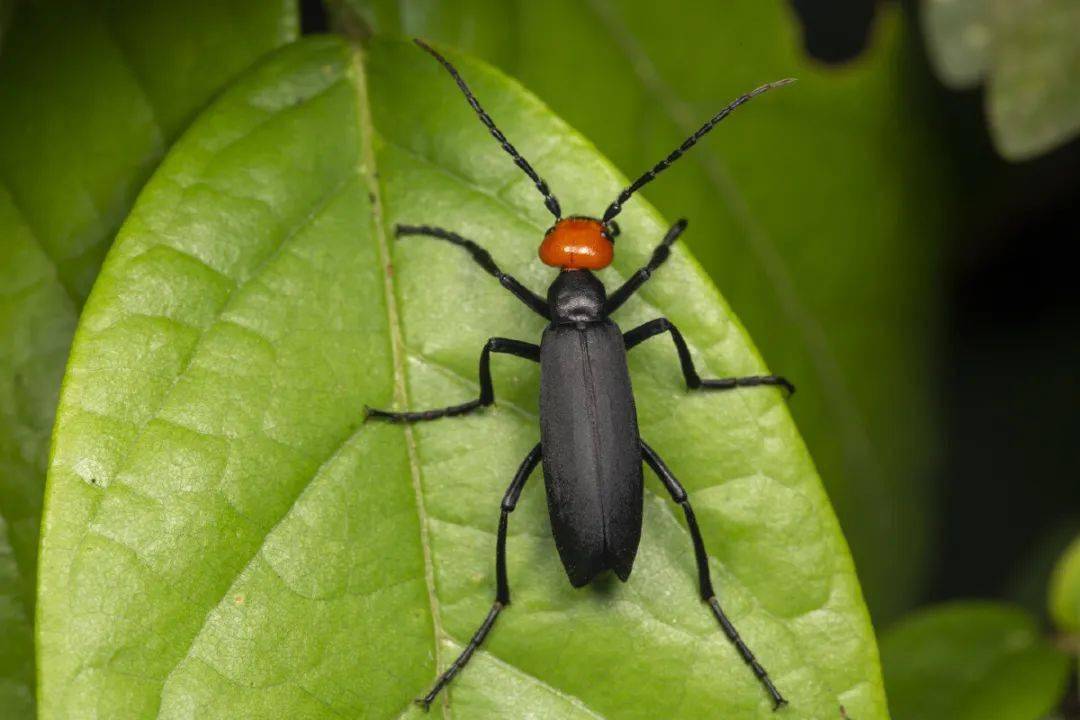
pixel 592 459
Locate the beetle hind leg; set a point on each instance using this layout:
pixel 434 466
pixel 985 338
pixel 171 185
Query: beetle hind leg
pixel 678 494
pixel 502 584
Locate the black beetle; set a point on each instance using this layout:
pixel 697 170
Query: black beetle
pixel 589 442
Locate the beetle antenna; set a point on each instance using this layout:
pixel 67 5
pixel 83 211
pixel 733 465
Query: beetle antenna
pixel 550 202
pixel 616 207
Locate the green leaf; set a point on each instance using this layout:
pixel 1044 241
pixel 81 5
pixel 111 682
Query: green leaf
pixel 1064 595
pixel 800 210
pixel 92 94
pixel 1028 53
pixel 224 537
pixel 1033 570
pixel 971 661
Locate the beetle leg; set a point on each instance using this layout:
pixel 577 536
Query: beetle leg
pixel 659 256
pixel 678 494
pixel 483 258
pixel 487 390
pixel 502 584
pixel 694 381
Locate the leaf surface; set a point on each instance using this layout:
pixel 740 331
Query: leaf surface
pixel 969 661
pixel 92 94
pixel 818 214
pixel 224 536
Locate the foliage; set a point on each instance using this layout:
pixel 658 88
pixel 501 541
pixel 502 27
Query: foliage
pixel 91 96
pixel 971 661
pixel 1028 54
pixel 225 538
pixel 1065 590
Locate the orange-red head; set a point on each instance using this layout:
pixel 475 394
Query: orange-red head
pixel 581 243
pixel 577 243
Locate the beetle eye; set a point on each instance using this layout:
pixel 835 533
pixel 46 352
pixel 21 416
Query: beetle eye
pixel 612 230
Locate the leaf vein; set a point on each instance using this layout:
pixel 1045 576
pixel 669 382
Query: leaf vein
pixel 397 343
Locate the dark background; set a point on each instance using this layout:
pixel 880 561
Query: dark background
pixel 1009 391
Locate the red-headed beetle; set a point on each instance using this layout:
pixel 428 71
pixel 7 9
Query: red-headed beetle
pixel 589 442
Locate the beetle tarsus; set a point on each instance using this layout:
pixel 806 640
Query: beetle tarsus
pixel 678 494
pixel 506 346
pixel 502 583
pixel 633 338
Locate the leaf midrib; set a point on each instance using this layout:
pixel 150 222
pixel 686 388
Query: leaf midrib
pixel 366 168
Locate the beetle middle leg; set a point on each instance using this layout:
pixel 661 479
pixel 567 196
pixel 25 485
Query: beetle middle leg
pixel 502 584
pixel 678 494
pixel 487 390
pixel 659 256
pixel 694 381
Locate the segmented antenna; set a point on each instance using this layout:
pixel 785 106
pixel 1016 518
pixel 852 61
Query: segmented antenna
pixel 616 207
pixel 549 199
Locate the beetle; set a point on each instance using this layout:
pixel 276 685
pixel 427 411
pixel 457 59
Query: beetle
pixel 589 445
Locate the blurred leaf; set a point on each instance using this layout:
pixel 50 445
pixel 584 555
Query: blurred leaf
pixel 1033 92
pixel 817 213
pixel 971 661
pixel 92 93
pixel 224 538
pixel 1028 581
pixel 1065 590
pixel 1028 51
pixel 958 37
pixel 6 8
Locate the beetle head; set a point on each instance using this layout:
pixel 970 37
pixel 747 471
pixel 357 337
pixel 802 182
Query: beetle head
pixel 578 243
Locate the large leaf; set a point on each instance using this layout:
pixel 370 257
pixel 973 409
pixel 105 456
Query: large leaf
pixel 818 214
pixel 971 661
pixel 225 538
pixel 91 94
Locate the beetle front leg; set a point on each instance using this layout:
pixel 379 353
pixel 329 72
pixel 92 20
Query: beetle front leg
pixel 659 257
pixel 694 381
pixel 482 258
pixel 487 389
pixel 502 584
pixel 678 494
